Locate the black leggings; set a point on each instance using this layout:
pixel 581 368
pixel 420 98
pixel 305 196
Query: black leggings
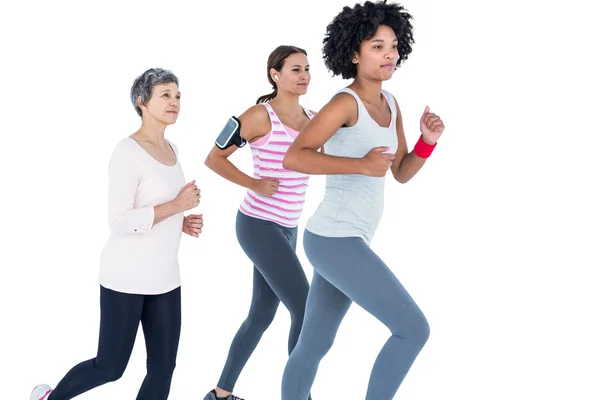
pixel 278 276
pixel 120 316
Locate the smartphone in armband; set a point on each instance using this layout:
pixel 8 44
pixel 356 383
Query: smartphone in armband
pixel 230 135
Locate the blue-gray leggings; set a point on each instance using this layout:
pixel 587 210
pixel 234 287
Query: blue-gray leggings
pixel 278 277
pixel 346 270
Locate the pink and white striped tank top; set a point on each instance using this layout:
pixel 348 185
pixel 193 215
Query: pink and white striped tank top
pixel 285 206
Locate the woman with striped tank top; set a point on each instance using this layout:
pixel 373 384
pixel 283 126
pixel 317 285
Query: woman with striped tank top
pixel 361 130
pixel 267 219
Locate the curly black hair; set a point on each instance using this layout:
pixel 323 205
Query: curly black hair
pixel 354 25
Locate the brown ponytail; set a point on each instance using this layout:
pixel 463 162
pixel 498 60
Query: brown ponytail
pixel 267 97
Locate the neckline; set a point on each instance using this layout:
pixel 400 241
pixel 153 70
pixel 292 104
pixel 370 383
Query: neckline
pixel 152 157
pixel 281 122
pixel 358 99
pixel 287 127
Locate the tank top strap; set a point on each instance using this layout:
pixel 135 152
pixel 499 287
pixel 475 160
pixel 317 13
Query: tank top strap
pixel 308 113
pixel 361 107
pixel 392 103
pixel 275 121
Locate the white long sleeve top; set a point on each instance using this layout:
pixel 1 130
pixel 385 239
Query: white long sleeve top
pixel 140 258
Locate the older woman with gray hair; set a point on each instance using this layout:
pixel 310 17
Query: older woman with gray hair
pixel 139 268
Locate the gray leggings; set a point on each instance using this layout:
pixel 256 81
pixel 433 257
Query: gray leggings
pixel 346 271
pixel 278 276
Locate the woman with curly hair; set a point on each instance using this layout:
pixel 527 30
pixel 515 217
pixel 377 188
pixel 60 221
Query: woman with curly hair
pixel 362 133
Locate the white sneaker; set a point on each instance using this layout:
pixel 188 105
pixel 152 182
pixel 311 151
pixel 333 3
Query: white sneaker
pixel 40 392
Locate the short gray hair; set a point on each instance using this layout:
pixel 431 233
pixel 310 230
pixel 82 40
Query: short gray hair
pixel 143 85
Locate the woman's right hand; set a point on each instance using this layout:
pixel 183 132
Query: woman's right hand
pixel 266 187
pixel 377 162
pixel 188 197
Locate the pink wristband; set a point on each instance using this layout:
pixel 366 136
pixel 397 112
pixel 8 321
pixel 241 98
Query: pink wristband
pixel 423 149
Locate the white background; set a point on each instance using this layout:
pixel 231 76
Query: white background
pixel 496 238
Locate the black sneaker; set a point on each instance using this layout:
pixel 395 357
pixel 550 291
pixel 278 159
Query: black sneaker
pixel 212 395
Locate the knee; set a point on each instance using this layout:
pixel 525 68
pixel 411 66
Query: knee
pixel 164 369
pixel 319 347
pixel 297 306
pixel 111 372
pixel 413 327
pixel 297 313
pixel 114 375
pixel 262 318
pixel 422 330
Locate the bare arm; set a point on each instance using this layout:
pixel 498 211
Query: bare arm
pixel 322 149
pixel 405 165
pixel 304 156
pixel 255 123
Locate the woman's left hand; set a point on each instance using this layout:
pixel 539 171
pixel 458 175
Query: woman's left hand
pixel 192 225
pixel 432 127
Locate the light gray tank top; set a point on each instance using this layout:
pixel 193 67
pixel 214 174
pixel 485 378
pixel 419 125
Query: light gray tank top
pixel 353 203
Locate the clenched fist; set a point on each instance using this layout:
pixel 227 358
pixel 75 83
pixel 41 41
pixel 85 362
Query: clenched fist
pixel 188 197
pixel 432 127
pixel 266 187
pixel 192 225
pixel 377 162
